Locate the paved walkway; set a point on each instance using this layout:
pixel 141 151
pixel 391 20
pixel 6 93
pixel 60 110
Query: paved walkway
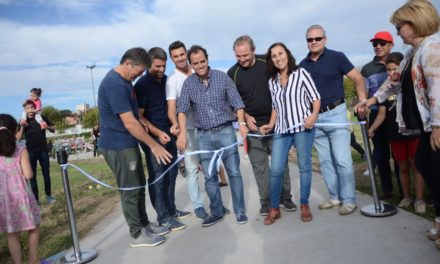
pixel 329 238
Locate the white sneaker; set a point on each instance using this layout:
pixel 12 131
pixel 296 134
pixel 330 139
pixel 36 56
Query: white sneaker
pixel 347 208
pixel 366 173
pixel 330 203
pixel 420 206
pixel 406 202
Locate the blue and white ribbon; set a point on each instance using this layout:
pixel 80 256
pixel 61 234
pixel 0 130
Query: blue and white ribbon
pixel 214 163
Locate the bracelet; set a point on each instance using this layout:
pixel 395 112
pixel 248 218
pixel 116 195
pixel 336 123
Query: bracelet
pixel 242 123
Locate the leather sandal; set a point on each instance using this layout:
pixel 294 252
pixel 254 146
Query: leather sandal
pixel 306 215
pixel 274 214
pixel 434 233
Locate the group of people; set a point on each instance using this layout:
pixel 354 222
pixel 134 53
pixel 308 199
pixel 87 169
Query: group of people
pixel 193 109
pixel 413 85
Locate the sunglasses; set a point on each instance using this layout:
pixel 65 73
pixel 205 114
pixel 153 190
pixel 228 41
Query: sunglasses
pixel 382 43
pixel 317 39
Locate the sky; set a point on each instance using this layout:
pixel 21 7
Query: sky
pixel 49 43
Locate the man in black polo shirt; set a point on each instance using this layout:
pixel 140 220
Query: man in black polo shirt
pixel 250 76
pixel 151 95
pixel 36 144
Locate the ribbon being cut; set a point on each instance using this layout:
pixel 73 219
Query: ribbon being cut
pixel 215 160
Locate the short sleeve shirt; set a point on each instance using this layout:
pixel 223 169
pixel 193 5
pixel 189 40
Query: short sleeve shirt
pixel 116 96
pixel 328 74
pixel 173 88
pixel 151 96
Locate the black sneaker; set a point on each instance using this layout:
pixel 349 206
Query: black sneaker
pixel 211 220
pixel 173 225
pixel 264 210
pixel 242 219
pixel 201 213
pixel 147 239
pixel 288 205
pixel 181 214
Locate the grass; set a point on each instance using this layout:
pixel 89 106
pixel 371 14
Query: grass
pixel 90 203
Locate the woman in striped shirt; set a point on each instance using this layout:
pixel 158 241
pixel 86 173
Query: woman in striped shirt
pixel 296 104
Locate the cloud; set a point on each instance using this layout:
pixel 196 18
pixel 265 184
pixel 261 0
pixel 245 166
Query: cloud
pixel 54 55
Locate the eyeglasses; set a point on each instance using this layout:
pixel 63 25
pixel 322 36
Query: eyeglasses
pixel 317 39
pixel 380 42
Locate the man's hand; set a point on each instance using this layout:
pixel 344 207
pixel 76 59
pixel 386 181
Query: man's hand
pixel 163 138
pixel 175 130
pixel 162 156
pixel 361 109
pixel 181 141
pixel 435 138
pixel 243 130
pixel 250 122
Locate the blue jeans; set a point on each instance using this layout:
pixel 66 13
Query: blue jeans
pixel 213 140
pixel 280 151
pixel 43 157
pixel 191 169
pixel 162 192
pixel 332 144
pixel 259 150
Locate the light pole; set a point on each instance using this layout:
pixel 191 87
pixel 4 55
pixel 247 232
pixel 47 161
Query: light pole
pixel 93 84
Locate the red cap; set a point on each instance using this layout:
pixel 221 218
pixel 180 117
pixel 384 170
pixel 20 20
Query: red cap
pixel 383 35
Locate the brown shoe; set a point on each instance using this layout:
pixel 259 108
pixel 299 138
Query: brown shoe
pixel 273 215
pixel 306 215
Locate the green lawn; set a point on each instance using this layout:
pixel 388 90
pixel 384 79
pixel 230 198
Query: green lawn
pixel 54 228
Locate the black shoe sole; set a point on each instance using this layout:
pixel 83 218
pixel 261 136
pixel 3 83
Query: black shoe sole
pixel 212 223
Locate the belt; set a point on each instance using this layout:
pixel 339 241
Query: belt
pixel 331 106
pixel 215 129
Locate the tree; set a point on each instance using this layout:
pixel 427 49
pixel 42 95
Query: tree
pixel 52 114
pixel 65 112
pixel 349 89
pixel 91 118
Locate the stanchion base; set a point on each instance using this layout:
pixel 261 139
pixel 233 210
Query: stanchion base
pixel 386 210
pixel 86 256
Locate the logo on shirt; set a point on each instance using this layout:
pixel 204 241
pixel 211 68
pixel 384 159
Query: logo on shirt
pixel 132 165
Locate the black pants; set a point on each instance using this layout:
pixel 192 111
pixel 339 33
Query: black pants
pixel 41 156
pixel 427 161
pixel 356 145
pixel 381 154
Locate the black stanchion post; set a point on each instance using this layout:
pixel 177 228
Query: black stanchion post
pixel 78 256
pixel 377 209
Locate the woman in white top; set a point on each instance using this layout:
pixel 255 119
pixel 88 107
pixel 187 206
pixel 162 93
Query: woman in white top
pixel 296 104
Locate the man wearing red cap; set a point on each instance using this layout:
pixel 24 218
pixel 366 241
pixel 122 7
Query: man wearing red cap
pixel 375 74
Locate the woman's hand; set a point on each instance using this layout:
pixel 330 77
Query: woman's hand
pixel 309 121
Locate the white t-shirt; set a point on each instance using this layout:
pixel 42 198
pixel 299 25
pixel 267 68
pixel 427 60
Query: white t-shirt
pixel 173 88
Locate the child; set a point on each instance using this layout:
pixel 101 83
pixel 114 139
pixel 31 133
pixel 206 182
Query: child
pixel 18 207
pixel 35 95
pixel 403 147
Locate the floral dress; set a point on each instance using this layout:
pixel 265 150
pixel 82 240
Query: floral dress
pixel 18 208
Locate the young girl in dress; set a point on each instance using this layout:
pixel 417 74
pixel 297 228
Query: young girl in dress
pixel 35 95
pixel 18 208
